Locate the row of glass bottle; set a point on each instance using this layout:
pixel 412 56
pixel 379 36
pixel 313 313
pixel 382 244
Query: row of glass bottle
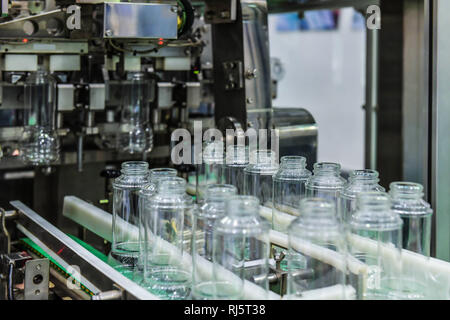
pixel 228 247
pixel 40 143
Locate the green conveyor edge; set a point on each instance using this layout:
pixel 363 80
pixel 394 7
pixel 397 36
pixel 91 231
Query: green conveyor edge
pixel 30 245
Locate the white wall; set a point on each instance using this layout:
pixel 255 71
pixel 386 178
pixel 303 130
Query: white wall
pixel 325 74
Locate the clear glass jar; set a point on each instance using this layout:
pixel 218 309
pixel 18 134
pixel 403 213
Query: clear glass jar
pixel 212 209
pixel 408 202
pixel 326 183
pixel 235 163
pixel 317 265
pixel 165 273
pixel 211 170
pixel 289 188
pixel 375 239
pixel 258 174
pixel 135 132
pixel 359 181
pixel 240 249
pixel 39 143
pixel 125 220
pixel 145 194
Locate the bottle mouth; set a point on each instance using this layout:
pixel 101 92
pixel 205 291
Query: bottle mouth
pixel 219 192
pixel 263 161
pixel 242 205
pixel 327 167
pixel 406 189
pixel 134 167
pixel 171 185
pixel 162 172
pixel 365 174
pixel 293 161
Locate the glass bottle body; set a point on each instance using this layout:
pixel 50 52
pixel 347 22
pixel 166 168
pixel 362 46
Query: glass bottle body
pixel 408 203
pixel 236 161
pixel 240 249
pixel 211 170
pixel 359 181
pixel 314 235
pixel 39 142
pixel 326 183
pixel 135 132
pixel 125 220
pixel 258 181
pixel 213 209
pixel 147 191
pixel 289 187
pixel 165 274
pixel 375 225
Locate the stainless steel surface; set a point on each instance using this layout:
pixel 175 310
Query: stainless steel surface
pixel 140 20
pixel 37 272
pixel 416 92
pixel 256 54
pixel 371 103
pixel 440 137
pixel 94 273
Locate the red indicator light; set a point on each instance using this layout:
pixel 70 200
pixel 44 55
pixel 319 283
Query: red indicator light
pixel 24 40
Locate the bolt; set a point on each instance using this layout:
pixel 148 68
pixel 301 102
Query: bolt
pixel 251 74
pixel 225 14
pixel 249 100
pixel 108 33
pixel 38 267
pixel 174 9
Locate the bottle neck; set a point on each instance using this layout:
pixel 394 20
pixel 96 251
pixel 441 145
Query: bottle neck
pixel 134 168
pixel 242 206
pixel 293 163
pixel 159 173
pixel 406 190
pixel 172 186
pixel 327 168
pixel 219 192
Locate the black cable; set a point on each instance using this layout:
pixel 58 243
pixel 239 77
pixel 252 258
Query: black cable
pixel 10 282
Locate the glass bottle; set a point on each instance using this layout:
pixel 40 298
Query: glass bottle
pixel 125 221
pixel 240 249
pixel 408 202
pixel 165 273
pixel 317 254
pixel 210 171
pixel 359 181
pixel 258 174
pixel 235 163
pixel 289 188
pixel 416 214
pixel 375 239
pixel 211 210
pixel 327 183
pixel 39 143
pixel 135 132
pixel 147 191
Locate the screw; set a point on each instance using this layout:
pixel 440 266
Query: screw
pixel 174 9
pixel 38 267
pixel 249 100
pixel 108 33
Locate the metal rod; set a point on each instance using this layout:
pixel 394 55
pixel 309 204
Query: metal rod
pixel 94 274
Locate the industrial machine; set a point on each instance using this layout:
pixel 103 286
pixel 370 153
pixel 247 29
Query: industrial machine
pixel 86 85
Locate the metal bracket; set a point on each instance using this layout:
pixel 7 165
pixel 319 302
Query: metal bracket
pixel 36 279
pixel 233 71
